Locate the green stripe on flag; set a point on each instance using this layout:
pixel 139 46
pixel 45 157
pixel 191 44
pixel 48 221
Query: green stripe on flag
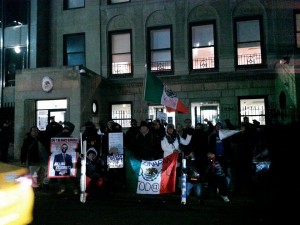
pixel 133 166
pixel 153 88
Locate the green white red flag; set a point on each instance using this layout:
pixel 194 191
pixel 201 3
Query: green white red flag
pixel 151 177
pixel 158 92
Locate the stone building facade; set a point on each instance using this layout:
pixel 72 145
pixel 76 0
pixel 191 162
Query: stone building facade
pixel 218 89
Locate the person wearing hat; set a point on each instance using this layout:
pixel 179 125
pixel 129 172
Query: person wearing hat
pixel 144 142
pixel 171 140
pixel 67 130
pixel 94 178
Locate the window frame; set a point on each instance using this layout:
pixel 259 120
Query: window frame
pixel 261 41
pixel 67 6
pixel 150 50
pixel 110 57
pixel 297 32
pixel 12 62
pixel 251 117
pixel 65 49
pixel 110 2
pixel 126 120
pixel 215 46
pixel 16 12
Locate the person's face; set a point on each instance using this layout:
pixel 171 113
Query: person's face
pixel 34 132
pixel 188 123
pixel 199 127
pixel 179 127
pixel 91 155
pixel 170 130
pixel 218 126
pixel 156 125
pixel 144 129
pixel 64 148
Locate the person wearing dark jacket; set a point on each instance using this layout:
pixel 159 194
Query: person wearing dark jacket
pixel 5 138
pixel 217 172
pixel 94 178
pixel 35 155
pixel 144 144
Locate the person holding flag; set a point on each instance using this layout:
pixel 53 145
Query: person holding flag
pixel 219 159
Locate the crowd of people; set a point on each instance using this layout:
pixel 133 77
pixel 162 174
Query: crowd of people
pixel 219 165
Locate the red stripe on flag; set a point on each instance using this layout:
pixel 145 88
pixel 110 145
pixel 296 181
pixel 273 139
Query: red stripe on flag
pixel 168 174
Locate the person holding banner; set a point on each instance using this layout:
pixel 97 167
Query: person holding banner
pixel 115 177
pixel 144 143
pixel 171 143
pixel 62 163
pixel 94 177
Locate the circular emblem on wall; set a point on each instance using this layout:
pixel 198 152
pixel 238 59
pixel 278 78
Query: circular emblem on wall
pixel 47 84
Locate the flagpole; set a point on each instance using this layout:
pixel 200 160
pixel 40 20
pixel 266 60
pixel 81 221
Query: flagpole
pixel 145 80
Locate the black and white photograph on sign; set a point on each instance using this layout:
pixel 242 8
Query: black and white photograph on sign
pixel 63 158
pixel 115 161
pixel 115 143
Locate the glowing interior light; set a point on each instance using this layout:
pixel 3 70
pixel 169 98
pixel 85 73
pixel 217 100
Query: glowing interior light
pixel 17 49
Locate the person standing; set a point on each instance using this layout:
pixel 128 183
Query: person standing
pixel 94 176
pixel 62 163
pixel 130 135
pixel 5 139
pixel 144 143
pixel 158 131
pixel 171 140
pixel 171 143
pixel 194 178
pixel 218 163
pixel 71 181
pixel 35 155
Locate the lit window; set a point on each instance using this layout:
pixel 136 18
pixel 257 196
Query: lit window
pixel 254 109
pixel 249 44
pixel 200 111
pixel 297 22
pixel 160 57
pixel 15 59
pixel 74 49
pixel 121 114
pixel 203 46
pixel 121 53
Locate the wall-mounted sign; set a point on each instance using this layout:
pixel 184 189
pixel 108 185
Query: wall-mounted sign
pixel 47 84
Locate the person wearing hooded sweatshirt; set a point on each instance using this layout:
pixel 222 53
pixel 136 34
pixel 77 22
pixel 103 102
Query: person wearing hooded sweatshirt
pixel 94 178
pixel 171 140
pixel 170 143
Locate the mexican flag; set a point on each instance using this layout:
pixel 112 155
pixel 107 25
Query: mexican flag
pixel 157 92
pixel 151 177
